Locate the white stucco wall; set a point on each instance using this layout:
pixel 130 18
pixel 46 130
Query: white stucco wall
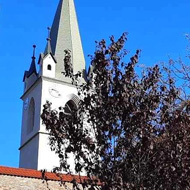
pixel 58 93
pixel 46 158
pixel 36 153
pixel 30 144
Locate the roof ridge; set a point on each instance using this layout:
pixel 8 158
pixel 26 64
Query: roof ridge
pixel 31 173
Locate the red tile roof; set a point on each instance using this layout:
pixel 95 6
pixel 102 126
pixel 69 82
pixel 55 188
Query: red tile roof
pixel 30 173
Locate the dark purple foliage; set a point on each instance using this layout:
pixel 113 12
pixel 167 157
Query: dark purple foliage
pixel 127 130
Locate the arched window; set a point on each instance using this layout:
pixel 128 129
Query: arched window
pixel 31 116
pixel 70 106
pixel 49 67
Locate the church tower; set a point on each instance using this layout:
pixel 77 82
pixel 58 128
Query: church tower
pixel 49 84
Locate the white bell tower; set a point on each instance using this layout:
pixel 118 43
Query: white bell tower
pixel 49 84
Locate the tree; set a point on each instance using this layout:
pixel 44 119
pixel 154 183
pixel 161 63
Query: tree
pixel 127 130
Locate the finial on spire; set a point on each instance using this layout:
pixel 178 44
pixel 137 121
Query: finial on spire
pixel 32 65
pixel 49 32
pixel 34 51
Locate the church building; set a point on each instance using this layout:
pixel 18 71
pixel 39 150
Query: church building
pixel 47 84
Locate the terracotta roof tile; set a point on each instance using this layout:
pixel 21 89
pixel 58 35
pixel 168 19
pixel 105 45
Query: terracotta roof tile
pixel 30 173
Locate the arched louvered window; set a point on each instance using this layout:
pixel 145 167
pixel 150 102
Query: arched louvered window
pixel 31 116
pixel 70 106
pixel 49 67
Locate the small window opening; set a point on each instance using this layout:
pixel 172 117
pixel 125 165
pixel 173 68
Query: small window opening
pixel 49 67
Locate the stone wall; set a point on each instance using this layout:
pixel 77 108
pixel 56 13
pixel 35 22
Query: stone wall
pixel 22 183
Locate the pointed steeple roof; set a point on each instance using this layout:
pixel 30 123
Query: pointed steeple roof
pixel 65 35
pixel 32 65
pixel 48 47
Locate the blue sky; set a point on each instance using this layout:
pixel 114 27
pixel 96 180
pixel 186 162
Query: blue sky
pixel 157 27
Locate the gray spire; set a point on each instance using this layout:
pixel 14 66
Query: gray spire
pixel 65 35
